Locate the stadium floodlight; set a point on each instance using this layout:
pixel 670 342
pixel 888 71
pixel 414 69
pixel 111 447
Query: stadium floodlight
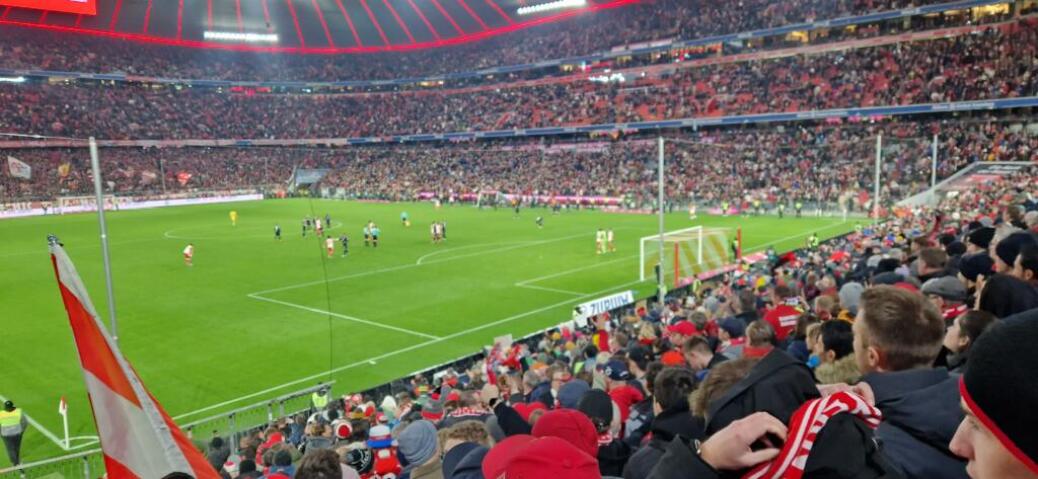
pixel 556 5
pixel 241 37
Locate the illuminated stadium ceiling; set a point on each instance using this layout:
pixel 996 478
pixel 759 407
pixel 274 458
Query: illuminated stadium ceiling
pixel 301 26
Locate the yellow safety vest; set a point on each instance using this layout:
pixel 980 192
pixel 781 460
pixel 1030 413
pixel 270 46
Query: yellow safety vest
pixel 12 418
pixel 319 400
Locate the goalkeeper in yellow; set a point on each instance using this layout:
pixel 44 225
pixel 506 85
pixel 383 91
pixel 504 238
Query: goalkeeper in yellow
pixel 234 218
pixel 600 241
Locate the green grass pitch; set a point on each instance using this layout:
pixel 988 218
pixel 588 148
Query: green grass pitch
pixel 248 321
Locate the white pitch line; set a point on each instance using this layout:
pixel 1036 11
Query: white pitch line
pixel 413 347
pixel 553 290
pixel 343 316
pixel 435 253
pixel 564 273
pixel 49 435
pixel 412 265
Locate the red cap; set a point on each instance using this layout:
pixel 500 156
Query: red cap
pixel 527 457
pixel 453 396
pixel 684 328
pixel 571 425
pixel 672 358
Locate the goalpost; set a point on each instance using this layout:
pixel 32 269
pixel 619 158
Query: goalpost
pixel 687 252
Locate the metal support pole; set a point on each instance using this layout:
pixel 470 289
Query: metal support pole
pixel 95 164
pixel 661 288
pixel 933 172
pixel 875 181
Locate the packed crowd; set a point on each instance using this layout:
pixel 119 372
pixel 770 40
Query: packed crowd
pixel 821 165
pixel 884 353
pixel 645 21
pixel 998 63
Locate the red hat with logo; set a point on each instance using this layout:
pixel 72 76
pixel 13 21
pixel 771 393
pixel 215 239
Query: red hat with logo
pixel 528 457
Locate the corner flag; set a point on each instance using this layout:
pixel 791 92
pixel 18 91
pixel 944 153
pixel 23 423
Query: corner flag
pixel 138 438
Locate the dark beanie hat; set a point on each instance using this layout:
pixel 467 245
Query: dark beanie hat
pixel 1005 295
pixel 887 265
pixel 1008 249
pixel 981 236
pixel 1005 356
pixel 973 265
pixel 598 406
pixel 283 458
pixel 955 248
pixel 246 465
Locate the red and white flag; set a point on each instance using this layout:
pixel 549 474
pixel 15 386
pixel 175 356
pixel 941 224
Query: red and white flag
pixel 138 438
pixel 62 406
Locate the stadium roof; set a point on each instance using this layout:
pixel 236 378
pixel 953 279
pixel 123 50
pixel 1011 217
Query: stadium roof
pixel 302 26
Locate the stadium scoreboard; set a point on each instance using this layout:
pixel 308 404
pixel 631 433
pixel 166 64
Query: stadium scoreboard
pixel 82 7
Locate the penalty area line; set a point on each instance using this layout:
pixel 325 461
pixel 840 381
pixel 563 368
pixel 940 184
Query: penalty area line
pixel 343 316
pixel 371 360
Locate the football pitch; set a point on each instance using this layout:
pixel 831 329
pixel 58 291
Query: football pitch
pixel 256 318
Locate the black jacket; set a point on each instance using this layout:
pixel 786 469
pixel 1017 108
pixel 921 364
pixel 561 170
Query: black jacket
pixel 612 457
pixel 679 461
pixel 920 415
pixel 778 385
pixel 674 422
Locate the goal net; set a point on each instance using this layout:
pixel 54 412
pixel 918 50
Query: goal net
pixel 686 253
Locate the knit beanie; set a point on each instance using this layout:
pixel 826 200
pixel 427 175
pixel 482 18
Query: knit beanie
pixel 850 296
pixel 417 444
pixel 573 426
pixel 981 237
pixel 1009 248
pixel 598 406
pixel 973 265
pixel 571 392
pixel 1005 356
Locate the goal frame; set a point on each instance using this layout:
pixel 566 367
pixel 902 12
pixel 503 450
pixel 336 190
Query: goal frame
pixel 656 237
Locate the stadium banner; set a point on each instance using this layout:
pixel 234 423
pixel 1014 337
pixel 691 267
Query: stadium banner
pixel 18 168
pixel 583 311
pixel 88 204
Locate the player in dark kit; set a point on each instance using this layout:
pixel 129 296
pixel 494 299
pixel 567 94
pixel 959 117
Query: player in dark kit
pixel 345 244
pixel 277 232
pixel 304 227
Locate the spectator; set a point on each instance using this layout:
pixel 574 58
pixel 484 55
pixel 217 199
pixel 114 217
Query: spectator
pixel 997 436
pixel 962 334
pixel 837 361
pixel 673 419
pixel 700 357
pixel 417 449
pixel 760 339
pixel 897 336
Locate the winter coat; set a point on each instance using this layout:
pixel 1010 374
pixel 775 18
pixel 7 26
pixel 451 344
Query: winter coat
pixel 778 385
pixel 674 422
pixel 679 461
pixel 612 457
pixel 464 461
pixel 921 412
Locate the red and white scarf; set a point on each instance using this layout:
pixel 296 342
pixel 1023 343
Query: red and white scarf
pixel 804 427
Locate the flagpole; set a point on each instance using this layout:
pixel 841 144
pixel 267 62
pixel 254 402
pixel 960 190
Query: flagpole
pixel 95 164
pixel 63 409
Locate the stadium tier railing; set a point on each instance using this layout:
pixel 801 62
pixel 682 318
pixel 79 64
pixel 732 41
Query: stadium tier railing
pixel 232 425
pixel 637 49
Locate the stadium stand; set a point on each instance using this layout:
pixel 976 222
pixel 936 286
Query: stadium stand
pixel 979 66
pixel 636 24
